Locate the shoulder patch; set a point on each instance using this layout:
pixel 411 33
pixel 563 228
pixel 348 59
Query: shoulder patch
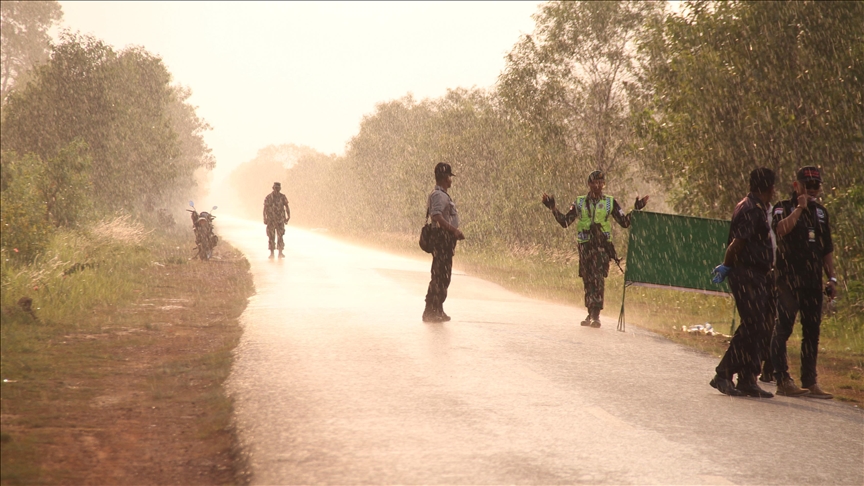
pixel 778 210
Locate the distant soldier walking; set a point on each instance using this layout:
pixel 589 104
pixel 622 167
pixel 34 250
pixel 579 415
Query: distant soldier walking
pixel 442 210
pixel 747 263
pixel 804 251
pixel 276 214
pixel 591 213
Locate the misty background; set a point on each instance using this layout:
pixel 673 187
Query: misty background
pixel 141 106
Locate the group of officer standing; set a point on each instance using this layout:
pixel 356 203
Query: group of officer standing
pixel 775 258
pixel 770 285
pixel 769 292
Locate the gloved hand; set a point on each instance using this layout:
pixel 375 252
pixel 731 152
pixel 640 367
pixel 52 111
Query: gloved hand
pixel 640 203
pixel 720 272
pixel 549 201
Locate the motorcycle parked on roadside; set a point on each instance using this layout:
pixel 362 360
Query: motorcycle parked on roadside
pixel 205 238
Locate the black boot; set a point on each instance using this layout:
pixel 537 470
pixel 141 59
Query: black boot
pixel 431 314
pixel 595 317
pixel 748 386
pixel 725 386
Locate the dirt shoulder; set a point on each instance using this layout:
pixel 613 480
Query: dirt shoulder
pixel 134 395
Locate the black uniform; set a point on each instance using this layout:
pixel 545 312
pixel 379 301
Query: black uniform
pixel 752 284
pixel 800 256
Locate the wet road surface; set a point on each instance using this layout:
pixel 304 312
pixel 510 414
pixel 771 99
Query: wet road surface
pixel 338 381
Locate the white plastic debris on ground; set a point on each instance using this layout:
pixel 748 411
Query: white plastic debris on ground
pixel 706 328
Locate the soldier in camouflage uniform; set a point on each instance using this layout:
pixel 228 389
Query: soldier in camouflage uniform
pixel 591 213
pixel 276 214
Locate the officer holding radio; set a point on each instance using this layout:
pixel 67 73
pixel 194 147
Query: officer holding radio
pixel 804 251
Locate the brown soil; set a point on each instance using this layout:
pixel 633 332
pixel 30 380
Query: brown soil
pixel 135 396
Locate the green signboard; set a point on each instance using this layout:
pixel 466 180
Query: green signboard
pixel 673 251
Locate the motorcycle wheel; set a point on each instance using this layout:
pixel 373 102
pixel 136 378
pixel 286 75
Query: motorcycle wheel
pixel 204 252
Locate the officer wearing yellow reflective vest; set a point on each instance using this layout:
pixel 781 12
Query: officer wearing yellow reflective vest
pixel 594 235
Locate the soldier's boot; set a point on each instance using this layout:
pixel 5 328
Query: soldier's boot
pixel 748 386
pixel 281 255
pixel 271 255
pixel 817 392
pixel 431 314
pixel 786 387
pixel 586 321
pixel 595 318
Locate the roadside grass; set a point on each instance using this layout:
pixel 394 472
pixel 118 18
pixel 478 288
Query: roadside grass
pixel 115 375
pixel 666 312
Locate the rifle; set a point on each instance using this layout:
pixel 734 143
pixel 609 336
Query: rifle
pixel 600 238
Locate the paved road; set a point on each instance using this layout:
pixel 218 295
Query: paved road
pixel 338 381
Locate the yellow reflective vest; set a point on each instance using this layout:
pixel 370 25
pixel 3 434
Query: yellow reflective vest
pixel 598 213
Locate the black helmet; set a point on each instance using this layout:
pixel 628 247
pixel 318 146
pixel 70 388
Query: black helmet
pixel 596 175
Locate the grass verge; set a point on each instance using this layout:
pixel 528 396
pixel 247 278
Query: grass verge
pixel 115 376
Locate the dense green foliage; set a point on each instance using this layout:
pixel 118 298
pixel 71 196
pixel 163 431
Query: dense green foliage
pixel 570 80
pixel 39 195
pixel 123 106
pixel 733 86
pixel 86 131
pixel 22 210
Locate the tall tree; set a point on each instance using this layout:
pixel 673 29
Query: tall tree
pixel 24 40
pixel 736 85
pixel 143 139
pixel 569 80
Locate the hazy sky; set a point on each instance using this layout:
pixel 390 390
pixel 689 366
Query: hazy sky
pixel 266 73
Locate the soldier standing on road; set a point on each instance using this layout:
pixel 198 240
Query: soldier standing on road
pixel 276 214
pixel 804 250
pixel 442 211
pixel 748 260
pixel 591 213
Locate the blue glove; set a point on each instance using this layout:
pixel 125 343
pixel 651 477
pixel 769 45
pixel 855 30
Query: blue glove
pixel 720 272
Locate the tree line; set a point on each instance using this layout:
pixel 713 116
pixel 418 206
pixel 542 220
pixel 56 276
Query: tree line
pixel 87 130
pixel 681 104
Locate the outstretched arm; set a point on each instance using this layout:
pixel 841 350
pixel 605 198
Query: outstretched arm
pixel 564 220
pixel 624 219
